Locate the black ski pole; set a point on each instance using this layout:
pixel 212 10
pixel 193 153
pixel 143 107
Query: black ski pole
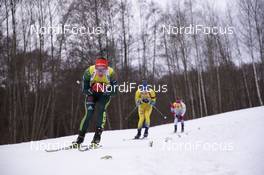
pixel 163 116
pixel 131 112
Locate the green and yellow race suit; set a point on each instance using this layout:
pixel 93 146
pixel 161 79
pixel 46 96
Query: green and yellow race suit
pixel 91 77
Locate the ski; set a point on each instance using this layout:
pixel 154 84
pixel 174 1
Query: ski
pixel 84 148
pixel 94 146
pixel 81 148
pixel 142 138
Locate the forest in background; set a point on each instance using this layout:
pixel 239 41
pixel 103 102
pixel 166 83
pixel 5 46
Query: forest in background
pixel 213 73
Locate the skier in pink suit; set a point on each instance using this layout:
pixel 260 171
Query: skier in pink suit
pixel 178 110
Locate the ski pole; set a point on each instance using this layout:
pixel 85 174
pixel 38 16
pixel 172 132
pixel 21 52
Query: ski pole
pixel 163 116
pixel 131 112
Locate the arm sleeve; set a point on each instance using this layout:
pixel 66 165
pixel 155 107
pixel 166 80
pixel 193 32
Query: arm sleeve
pixel 153 96
pixel 86 81
pixel 172 109
pixel 183 108
pixel 113 83
pixel 137 96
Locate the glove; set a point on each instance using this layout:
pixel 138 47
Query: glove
pixel 98 87
pixel 145 100
pixel 88 92
pixel 107 93
pixel 152 103
pixel 114 88
pixel 139 102
pixel 180 117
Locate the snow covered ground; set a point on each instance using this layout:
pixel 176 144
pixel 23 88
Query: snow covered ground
pixel 225 144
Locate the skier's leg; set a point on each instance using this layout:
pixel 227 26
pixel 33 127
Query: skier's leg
pixel 138 133
pixel 141 117
pixel 175 123
pixel 182 124
pixel 147 116
pixel 103 103
pixel 147 120
pixel 89 110
pixel 140 121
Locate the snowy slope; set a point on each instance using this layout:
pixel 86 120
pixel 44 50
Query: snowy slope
pixel 226 144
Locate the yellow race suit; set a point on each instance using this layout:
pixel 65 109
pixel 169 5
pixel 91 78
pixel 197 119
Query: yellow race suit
pixel 145 100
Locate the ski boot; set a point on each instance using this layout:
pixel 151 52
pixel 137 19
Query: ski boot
pixel 138 134
pixel 97 138
pixel 79 141
pixel 175 128
pixel 182 127
pixel 146 132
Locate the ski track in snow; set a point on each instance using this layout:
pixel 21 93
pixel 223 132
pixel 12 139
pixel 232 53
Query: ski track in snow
pixel 241 129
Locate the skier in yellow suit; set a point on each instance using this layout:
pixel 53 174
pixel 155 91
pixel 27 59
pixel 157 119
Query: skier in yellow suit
pixel 145 98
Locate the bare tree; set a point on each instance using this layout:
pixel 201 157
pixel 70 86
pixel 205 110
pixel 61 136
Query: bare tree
pixel 246 13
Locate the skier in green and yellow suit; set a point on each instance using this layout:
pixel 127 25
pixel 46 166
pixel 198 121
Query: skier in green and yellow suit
pixel 99 85
pixel 145 98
